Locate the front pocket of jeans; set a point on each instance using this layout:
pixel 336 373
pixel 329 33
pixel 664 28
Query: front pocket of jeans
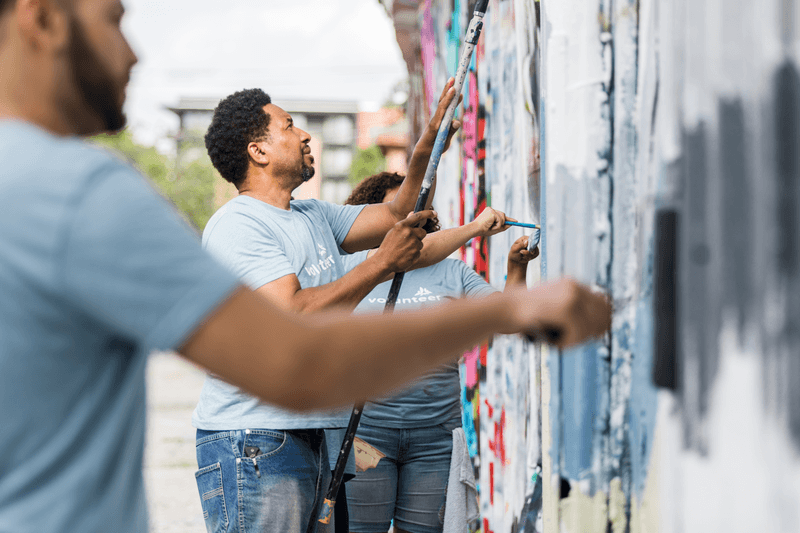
pixel 212 496
pixel 268 442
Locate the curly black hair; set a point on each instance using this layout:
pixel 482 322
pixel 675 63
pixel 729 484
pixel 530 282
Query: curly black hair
pixel 238 120
pixel 373 189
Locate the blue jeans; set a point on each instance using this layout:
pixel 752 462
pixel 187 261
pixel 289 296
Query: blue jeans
pixel 409 485
pixel 262 480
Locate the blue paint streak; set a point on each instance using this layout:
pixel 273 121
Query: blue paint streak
pixel 467 421
pixel 644 395
pixel 580 397
pixel 454 37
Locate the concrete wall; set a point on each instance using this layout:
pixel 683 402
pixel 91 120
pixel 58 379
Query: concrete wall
pixel 669 138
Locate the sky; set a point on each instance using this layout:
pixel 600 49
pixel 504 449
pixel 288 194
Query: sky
pixel 295 49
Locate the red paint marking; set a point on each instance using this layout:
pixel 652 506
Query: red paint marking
pixel 489 410
pixel 491 484
pixel 484 351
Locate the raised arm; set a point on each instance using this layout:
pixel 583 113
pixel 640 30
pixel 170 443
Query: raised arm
pixel 330 359
pixel 376 219
pixel 518 258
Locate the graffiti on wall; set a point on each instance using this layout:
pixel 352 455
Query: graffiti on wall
pixel 497 164
pixel 656 141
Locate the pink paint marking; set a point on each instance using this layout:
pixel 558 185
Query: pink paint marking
pixel 470 119
pixel 471 367
pixel 428 45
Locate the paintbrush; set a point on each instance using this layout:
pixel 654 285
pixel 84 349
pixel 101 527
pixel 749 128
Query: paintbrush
pixel 533 240
pixel 523 224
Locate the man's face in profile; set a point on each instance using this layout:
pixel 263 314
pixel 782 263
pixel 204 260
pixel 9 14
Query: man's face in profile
pixel 100 60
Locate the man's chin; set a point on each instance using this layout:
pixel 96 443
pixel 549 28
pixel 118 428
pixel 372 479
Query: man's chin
pixel 115 121
pixel 307 173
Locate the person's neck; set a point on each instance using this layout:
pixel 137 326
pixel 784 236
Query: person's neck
pixel 51 122
pixel 269 191
pixel 28 99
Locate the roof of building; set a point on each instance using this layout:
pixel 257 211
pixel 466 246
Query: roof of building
pixel 191 104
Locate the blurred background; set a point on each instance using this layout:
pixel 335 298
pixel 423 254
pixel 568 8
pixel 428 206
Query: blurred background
pixel 335 65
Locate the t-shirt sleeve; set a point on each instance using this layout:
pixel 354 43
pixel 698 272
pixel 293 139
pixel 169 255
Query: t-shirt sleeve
pixel 350 261
pixel 474 285
pixel 340 218
pixel 248 248
pixel 131 262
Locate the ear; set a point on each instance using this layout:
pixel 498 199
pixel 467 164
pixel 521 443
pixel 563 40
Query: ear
pixel 257 154
pixel 43 24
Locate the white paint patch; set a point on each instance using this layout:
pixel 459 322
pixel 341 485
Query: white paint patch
pixel 750 480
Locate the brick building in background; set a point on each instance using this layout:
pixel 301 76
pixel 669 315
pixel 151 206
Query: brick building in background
pixel 388 129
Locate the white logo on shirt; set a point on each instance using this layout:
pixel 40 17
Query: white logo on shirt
pixel 423 295
pixel 423 292
pixel 323 264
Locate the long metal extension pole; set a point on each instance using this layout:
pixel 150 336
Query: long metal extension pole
pixel 473 33
pixel 471 39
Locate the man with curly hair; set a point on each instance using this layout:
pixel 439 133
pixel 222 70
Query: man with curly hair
pixel 96 270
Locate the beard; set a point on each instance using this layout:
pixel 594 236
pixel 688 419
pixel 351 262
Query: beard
pixel 307 172
pixel 96 87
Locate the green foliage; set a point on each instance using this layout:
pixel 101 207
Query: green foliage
pixel 190 187
pixel 366 163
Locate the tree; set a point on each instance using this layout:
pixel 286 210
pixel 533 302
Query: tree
pixel 366 163
pixel 190 187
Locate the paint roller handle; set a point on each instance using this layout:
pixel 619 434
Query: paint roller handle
pixel 562 312
pixel 470 41
pixel 329 503
pixel 548 335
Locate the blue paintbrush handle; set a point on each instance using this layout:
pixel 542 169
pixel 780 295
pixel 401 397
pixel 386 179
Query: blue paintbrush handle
pixel 522 225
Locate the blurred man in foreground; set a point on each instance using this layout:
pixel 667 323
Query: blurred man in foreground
pixel 96 270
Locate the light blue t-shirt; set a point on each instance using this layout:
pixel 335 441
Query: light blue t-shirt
pixel 261 243
pixel 432 399
pixel 96 270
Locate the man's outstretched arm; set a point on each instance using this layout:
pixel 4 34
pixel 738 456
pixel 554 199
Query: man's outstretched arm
pixel 376 219
pixel 332 358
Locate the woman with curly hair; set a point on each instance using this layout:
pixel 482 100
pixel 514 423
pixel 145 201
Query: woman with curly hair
pixel 413 430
